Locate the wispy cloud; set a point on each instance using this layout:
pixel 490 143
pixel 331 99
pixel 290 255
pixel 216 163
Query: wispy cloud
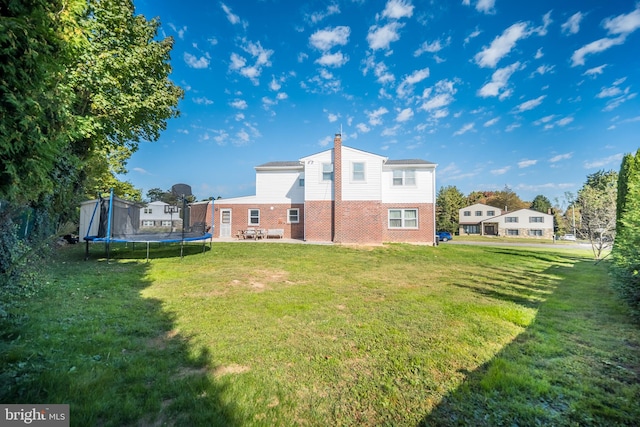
pixel 329 37
pixel 202 100
pixel 530 105
pixel 502 45
pixel 375 117
pixel 572 26
pixel 526 163
pixel 559 157
pixel 382 37
pixel 261 58
pixel 501 171
pixel 396 9
pixel 316 17
pixel 195 62
pixel 404 115
pixel 464 129
pixel 607 161
pixel 498 83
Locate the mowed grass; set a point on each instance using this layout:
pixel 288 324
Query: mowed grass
pixel 284 334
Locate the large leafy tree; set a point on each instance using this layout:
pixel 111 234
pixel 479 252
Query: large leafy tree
pixel 123 94
pixel 626 249
pixel 506 199
pixel 33 103
pixel 541 204
pixel 448 203
pixel 597 204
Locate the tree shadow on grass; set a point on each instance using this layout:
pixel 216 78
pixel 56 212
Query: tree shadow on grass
pixel 138 251
pixel 577 364
pixel 90 339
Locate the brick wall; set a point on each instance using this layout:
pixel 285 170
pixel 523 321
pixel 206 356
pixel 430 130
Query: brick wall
pixel 425 232
pixel 269 218
pixel 361 221
pixel 319 221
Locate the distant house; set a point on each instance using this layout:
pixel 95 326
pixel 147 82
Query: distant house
pixel 160 215
pixel 489 221
pixel 342 195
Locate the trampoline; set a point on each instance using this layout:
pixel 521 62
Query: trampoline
pixel 114 220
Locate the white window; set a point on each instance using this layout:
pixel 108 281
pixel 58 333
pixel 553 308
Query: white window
pixel 536 233
pixel 511 219
pixel 512 232
pixel 357 172
pixel 491 213
pixel 254 217
pixel 293 216
pixel 147 223
pixel 327 171
pixel 148 210
pixel 536 219
pixel 166 223
pixel 466 213
pixel 403 218
pixel 404 177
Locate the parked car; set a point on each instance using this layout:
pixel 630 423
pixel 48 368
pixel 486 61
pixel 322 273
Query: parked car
pixel 571 237
pixel 444 236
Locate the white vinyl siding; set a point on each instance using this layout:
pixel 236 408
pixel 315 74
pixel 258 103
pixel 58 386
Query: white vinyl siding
pixel 370 187
pixel 314 188
pixel 422 191
pixel 536 219
pixel 279 186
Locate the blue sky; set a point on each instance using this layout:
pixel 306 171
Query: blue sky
pixel 533 95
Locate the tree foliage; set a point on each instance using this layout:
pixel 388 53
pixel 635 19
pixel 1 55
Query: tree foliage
pixel 541 204
pixel 448 203
pixel 507 200
pixel 597 203
pixel 626 249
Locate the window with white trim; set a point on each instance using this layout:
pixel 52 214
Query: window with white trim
pixel 148 210
pixel 166 223
pixel 478 213
pixel 404 177
pixel 511 219
pixel 403 218
pixel 466 213
pixel 327 171
pixel 148 223
pixel 357 171
pixel 293 216
pixel 535 233
pixel 491 213
pixel 513 232
pixel 536 219
pixel 254 217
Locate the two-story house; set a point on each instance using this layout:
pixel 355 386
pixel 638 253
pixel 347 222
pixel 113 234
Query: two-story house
pixel 489 221
pixel 341 195
pixel 160 215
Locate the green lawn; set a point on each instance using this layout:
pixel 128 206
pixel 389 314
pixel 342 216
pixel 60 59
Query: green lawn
pixel 286 334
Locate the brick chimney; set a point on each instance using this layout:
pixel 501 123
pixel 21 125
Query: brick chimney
pixel 337 188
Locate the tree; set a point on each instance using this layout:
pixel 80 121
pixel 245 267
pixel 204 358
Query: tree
pixel 448 202
pixel 541 204
pixel 33 104
pixel 626 249
pixel 506 199
pixel 123 94
pixel 597 203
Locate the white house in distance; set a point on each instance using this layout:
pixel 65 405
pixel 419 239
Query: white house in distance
pixel 341 195
pixel 160 214
pixel 487 220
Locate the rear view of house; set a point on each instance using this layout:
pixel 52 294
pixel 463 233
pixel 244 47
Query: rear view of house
pixel 341 195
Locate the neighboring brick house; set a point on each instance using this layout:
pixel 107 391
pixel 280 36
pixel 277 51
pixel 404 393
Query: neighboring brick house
pixel 489 221
pixel 341 195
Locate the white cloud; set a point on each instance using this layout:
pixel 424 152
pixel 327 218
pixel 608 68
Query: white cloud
pixel 194 62
pixel 404 115
pixel 240 104
pixel 491 122
pixel 332 117
pixel 260 55
pixel 486 6
pixel 572 26
pixel 594 47
pixel 621 25
pixel 179 31
pixel 234 19
pixel 281 95
pixel 594 71
pixel 141 171
pixel 396 9
pixel 332 59
pixel 512 127
pixel 325 141
pixel 464 129
pixel 600 163
pixel 608 92
pixel 363 128
pixel 442 91
pixel 473 35
pixel 526 163
pixel 275 84
pixel 531 104
pixel 616 102
pixel 405 87
pixel 432 47
pixel 538 54
pixel 329 37
pixel 382 37
pixel 502 45
pixel 501 171
pixel 379 69
pixel 375 116
pixel 559 157
pixel 203 101
pixel 392 131
pixel 499 80
pixel 316 17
